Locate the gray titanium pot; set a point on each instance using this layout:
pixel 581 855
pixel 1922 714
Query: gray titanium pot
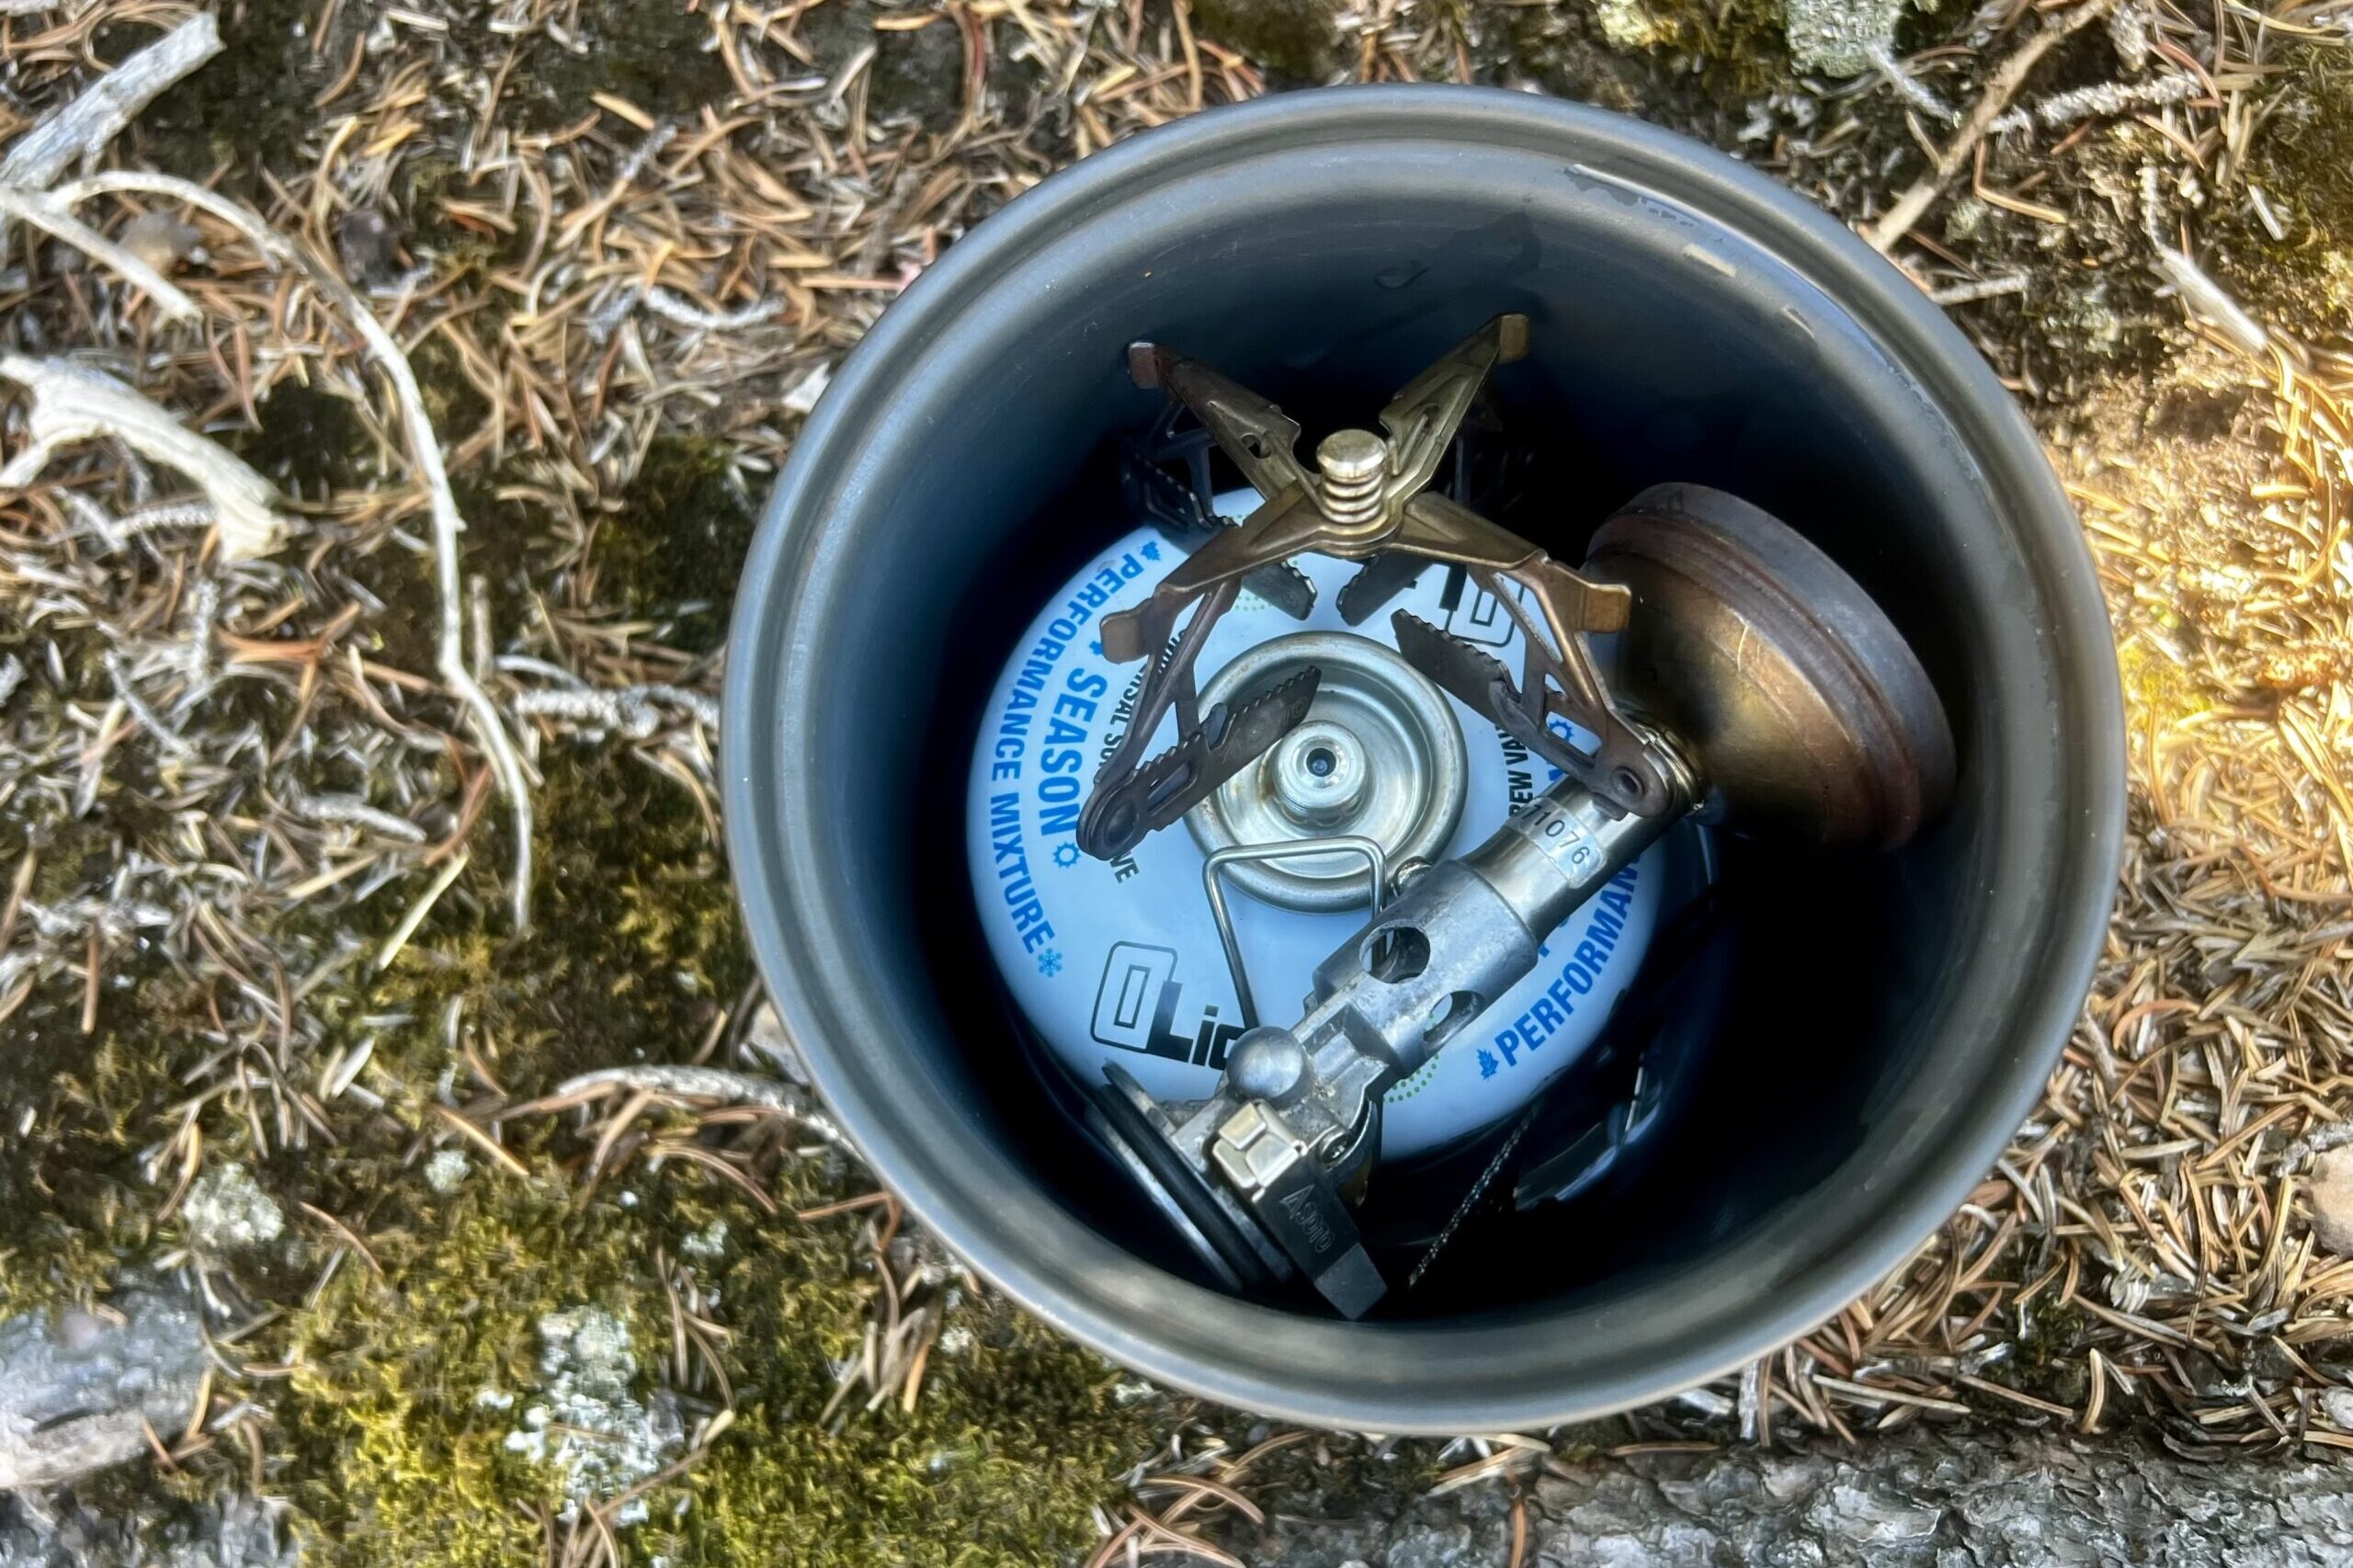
pixel 1888 1021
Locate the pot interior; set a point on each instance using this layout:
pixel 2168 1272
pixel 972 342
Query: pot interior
pixel 1868 998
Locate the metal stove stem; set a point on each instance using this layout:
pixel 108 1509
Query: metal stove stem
pixel 1296 1120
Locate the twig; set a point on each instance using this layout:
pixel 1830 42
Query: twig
pixel 2205 297
pixel 2000 88
pixel 424 450
pixel 1908 88
pixel 70 403
pixel 632 710
pixel 51 218
pixel 682 312
pixel 706 1084
pixel 698 1082
pixel 94 119
pixel 418 911
pixel 1983 288
pixel 2100 98
pixel 358 813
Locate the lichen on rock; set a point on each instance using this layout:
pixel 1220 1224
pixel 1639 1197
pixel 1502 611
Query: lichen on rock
pixel 446 1171
pixel 587 1423
pixel 1839 37
pixel 1628 24
pixel 226 1212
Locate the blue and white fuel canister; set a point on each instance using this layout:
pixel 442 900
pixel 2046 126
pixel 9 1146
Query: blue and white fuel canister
pixel 1121 961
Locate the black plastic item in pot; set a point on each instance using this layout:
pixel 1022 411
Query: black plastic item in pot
pixel 1891 1017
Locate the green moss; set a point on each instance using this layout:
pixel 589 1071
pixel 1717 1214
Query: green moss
pixel 1298 39
pixel 1675 61
pixel 311 441
pixel 453 402
pixel 1739 47
pixel 378 1436
pixel 636 938
pixel 74 1206
pixel 1011 1442
pixel 2303 161
pixel 1015 1437
pixel 401 1461
pixel 2048 1361
pixel 249 108
pixel 2159 692
pixel 648 51
pixel 75 1107
pixel 674 546
pixel 641 934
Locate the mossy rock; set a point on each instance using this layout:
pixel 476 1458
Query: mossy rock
pixel 1297 39
pixel 673 547
pixel 651 52
pixel 250 106
pixel 409 1382
pixel 1017 1436
pixel 2303 161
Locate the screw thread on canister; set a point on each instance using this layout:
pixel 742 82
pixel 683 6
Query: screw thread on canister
pixel 1354 465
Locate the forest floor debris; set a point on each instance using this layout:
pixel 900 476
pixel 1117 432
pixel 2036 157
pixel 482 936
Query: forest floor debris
pixel 515 308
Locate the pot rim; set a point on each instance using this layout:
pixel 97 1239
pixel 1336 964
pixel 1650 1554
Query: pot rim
pixel 1075 1279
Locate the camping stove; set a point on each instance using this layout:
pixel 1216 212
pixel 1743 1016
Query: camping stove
pixel 1415 813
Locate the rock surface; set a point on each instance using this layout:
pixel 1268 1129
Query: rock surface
pixel 1919 1499
pixel 77 1389
pixel 237 1533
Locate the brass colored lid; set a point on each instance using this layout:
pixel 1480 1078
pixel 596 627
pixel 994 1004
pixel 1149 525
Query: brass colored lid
pixel 1805 708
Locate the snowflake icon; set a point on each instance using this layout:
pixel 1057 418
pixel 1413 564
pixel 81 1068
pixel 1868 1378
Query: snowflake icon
pixel 1049 962
pixel 1065 855
pixel 1487 1062
pixel 1095 647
